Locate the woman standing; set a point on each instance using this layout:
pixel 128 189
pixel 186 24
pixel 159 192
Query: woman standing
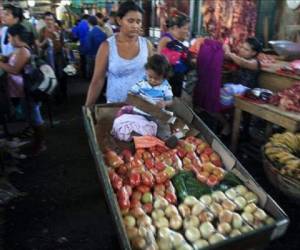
pixel 178 31
pixel 21 40
pixel 121 57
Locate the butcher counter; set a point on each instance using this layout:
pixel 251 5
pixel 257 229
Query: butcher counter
pixel 272 78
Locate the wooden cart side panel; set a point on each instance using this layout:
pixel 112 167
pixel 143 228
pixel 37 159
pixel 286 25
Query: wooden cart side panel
pixel 104 179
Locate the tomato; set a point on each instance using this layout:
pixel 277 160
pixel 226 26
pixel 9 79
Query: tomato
pixel 159 188
pixel 147 179
pixel 212 181
pixel 161 149
pixel 122 170
pixel 202 176
pixel 181 153
pixel 160 166
pixel 136 163
pixel 143 188
pixel 127 155
pixel 147 155
pixel 123 198
pixel 171 198
pixel 208 167
pixel 161 177
pixel 134 179
pixel 219 173
pixel 129 190
pixel 208 151
pixel 112 159
pixel 201 147
pixel 136 195
pixel 116 181
pixel 135 203
pixel 191 155
pixel 148 207
pixel 149 163
pixel 158 194
pixel 204 158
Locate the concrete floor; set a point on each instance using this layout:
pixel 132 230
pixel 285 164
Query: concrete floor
pixel 64 207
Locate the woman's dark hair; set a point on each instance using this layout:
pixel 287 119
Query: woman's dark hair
pixel 128 6
pixel 160 65
pixel 92 20
pixel 178 20
pixel 255 44
pixel 99 15
pixel 20 30
pixel 15 11
pixel 48 13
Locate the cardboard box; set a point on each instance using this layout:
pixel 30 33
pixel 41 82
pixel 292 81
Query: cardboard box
pixel 98 124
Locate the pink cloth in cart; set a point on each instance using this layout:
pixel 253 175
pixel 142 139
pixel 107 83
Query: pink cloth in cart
pixel 126 124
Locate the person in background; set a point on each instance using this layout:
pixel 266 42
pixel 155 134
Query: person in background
pixel 51 43
pixel 80 32
pixel 113 21
pixel 121 57
pixel 18 62
pixel 246 75
pixel 94 39
pixel 104 25
pixel 178 31
pixel 154 87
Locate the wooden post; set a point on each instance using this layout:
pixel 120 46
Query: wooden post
pixel 236 129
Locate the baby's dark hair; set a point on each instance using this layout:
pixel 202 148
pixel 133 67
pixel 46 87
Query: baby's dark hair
pixel 178 19
pixel 160 65
pixel 255 44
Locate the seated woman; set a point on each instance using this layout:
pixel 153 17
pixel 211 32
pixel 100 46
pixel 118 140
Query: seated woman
pixel 18 63
pixel 247 73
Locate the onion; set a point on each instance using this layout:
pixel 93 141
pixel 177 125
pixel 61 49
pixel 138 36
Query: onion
pixel 185 246
pixel 144 230
pixel 228 205
pixel 224 228
pixel 160 202
pixel 241 189
pixel 251 197
pixel 248 217
pixel 137 212
pixel 246 229
pixel 260 214
pixel 191 221
pixel 192 234
pixel 215 208
pixel 157 213
pixel 139 242
pixel 206 229
pixel 132 232
pixel 231 193
pixel 184 210
pixel 237 221
pixel 235 232
pixel 177 239
pixel 198 244
pixel 218 196
pixel 144 221
pixel 175 222
pixel 269 220
pixel 225 216
pixel 164 233
pixel 164 244
pixel 161 222
pixel 215 238
pixel 129 221
pixel 250 208
pixel 190 200
pixel 206 199
pixel 198 208
pixel 240 201
pixel 205 216
pixel 171 210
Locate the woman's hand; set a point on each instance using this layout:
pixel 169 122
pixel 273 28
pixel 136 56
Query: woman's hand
pixel 161 104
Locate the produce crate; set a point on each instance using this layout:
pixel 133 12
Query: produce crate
pixel 98 123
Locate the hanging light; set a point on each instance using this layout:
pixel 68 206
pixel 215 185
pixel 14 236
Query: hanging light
pixel 31 3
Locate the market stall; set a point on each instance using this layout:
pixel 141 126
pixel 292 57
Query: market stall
pixel 191 194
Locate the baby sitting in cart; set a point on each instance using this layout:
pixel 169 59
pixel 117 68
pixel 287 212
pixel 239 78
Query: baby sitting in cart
pixel 154 87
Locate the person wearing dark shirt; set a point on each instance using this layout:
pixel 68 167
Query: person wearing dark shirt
pixel 80 32
pixel 94 39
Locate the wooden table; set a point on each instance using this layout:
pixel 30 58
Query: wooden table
pixel 270 78
pixel 272 114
